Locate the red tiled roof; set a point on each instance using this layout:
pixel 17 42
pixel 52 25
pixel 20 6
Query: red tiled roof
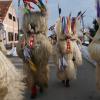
pixel 4 6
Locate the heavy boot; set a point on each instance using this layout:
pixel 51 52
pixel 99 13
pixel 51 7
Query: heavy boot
pixel 34 92
pixel 63 81
pixel 67 83
pixel 41 90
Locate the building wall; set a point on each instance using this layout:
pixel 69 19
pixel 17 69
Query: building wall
pixel 11 26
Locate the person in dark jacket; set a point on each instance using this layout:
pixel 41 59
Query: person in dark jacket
pixel 93 30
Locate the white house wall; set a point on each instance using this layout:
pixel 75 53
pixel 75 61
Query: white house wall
pixel 10 25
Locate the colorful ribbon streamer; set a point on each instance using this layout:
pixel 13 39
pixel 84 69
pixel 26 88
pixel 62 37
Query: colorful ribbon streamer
pixel 63 24
pixel 39 3
pixel 68 29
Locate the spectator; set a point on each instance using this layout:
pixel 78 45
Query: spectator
pixel 93 30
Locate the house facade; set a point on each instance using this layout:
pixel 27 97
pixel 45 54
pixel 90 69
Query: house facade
pixel 9 19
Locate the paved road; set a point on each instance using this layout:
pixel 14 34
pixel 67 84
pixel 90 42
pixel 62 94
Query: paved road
pixel 81 89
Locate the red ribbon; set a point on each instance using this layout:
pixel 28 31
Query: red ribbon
pixel 34 1
pixel 68 46
pixel 31 41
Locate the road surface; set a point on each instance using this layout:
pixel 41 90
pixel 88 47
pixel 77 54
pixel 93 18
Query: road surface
pixel 83 88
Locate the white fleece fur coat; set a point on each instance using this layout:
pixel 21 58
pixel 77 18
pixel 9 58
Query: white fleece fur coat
pixel 11 85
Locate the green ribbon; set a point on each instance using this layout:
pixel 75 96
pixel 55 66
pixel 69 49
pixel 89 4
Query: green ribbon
pixel 26 11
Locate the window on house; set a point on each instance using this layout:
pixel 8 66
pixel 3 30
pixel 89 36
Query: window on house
pixel 16 36
pixel 10 36
pixel 0 13
pixel 10 16
pixel 14 19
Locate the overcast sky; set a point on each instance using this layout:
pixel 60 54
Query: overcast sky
pixel 73 6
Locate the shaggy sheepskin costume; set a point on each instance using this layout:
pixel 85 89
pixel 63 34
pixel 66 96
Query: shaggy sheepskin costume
pixel 35 25
pixel 94 48
pixel 66 66
pixel 2 47
pixel 11 85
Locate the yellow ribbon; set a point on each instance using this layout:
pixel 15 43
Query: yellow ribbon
pixel 32 66
pixel 69 24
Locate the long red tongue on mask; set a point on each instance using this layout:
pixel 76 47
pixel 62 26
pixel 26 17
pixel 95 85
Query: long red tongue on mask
pixel 31 42
pixel 68 46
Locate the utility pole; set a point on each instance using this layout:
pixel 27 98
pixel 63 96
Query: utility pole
pixel 82 16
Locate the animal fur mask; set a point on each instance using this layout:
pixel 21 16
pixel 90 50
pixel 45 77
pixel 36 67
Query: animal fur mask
pixel 35 22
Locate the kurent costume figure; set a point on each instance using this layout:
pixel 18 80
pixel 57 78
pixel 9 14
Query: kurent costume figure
pixel 34 48
pixel 11 85
pixel 68 53
pixel 94 48
pixel 2 31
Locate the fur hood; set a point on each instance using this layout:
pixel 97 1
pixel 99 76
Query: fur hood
pixel 35 22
